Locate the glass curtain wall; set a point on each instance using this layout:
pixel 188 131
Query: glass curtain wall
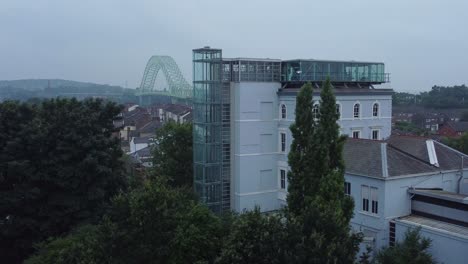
pixel 304 70
pixel 207 100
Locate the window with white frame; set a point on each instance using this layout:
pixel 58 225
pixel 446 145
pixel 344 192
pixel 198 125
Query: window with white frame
pixel 347 188
pixel 370 196
pixel 283 111
pixel 375 134
pixel 356 134
pixel 283 141
pixel 375 110
pixel 365 198
pixel 283 179
pixel 338 110
pixel 315 111
pixel 374 195
pixel 356 110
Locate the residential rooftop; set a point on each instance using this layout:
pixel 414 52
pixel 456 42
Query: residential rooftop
pixel 399 156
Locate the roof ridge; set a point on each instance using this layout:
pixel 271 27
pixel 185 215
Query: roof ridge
pixel 410 155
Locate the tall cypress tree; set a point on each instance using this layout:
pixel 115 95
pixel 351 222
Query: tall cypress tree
pixel 300 157
pixel 316 200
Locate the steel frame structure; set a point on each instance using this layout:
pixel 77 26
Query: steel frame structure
pixel 178 86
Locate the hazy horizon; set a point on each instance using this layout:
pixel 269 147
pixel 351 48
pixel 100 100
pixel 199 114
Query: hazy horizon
pixel 422 43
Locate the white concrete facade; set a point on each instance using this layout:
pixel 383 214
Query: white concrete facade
pixel 257 126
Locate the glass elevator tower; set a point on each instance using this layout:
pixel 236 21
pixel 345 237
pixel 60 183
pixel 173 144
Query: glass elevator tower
pixel 207 127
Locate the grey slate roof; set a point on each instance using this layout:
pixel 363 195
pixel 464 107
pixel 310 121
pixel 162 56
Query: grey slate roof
pixel 461 126
pixel 141 140
pixel 151 127
pixel 398 156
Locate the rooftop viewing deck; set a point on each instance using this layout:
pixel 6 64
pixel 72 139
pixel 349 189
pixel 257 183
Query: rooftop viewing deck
pixel 338 71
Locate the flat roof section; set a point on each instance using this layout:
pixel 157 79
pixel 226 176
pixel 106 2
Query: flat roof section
pixel 417 220
pixel 441 194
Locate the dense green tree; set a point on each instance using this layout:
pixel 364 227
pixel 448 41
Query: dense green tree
pixel 316 161
pixel 172 155
pixel 154 223
pixel 256 238
pixel 460 144
pixel 59 166
pixel 301 178
pixel 413 249
pixel 82 245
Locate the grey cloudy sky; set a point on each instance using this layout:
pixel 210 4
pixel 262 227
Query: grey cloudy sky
pixel 422 42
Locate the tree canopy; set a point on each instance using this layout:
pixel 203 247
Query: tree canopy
pixel 317 177
pixel 59 166
pixel 413 249
pixel 173 155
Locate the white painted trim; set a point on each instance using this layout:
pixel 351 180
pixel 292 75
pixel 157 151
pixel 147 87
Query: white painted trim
pixel 256 193
pixel 258 154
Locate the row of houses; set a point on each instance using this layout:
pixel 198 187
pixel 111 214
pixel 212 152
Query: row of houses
pixel 447 124
pixel 138 125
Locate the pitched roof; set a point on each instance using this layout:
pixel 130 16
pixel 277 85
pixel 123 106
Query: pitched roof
pixel 150 127
pixel 461 126
pixel 399 156
pixel 141 140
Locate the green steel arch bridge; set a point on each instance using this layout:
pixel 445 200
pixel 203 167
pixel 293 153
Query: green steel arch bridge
pixel 178 88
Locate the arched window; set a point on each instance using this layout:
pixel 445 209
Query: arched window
pixel 283 111
pixel 375 109
pixel 338 110
pixel 315 111
pixel 356 112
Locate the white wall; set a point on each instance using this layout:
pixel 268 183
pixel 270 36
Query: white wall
pixel 254 145
pixel 394 199
pixel 446 248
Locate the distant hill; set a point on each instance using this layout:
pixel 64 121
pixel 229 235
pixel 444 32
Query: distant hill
pixel 49 88
pixel 41 84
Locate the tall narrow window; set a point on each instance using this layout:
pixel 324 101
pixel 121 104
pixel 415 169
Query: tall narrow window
pixel 375 134
pixel 283 142
pixel 365 198
pixel 338 111
pixel 374 195
pixel 357 134
pixel 347 188
pixel 356 112
pixel 283 179
pixel 315 111
pixel 283 111
pixel 375 110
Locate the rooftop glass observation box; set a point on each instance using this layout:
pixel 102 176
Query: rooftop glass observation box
pixel 338 71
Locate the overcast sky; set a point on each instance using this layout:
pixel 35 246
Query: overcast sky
pixel 422 42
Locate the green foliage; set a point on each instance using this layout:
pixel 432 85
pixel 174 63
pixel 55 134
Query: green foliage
pixel 317 174
pixel 173 155
pixel 460 144
pixel 59 166
pixel 410 128
pixel 301 157
pixel 439 97
pixel 366 257
pixel 256 238
pixel 413 249
pixel 152 224
pixel 80 246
